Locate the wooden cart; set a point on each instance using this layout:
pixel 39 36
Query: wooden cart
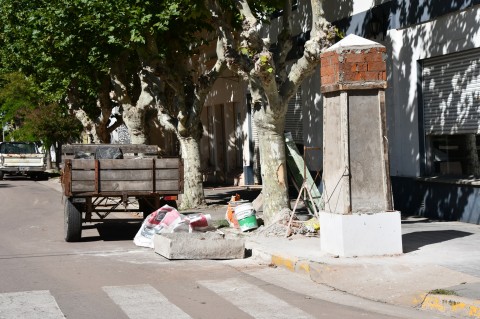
pixel 97 188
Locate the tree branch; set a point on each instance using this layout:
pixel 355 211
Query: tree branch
pixel 119 80
pixel 207 80
pixel 321 37
pixel 118 123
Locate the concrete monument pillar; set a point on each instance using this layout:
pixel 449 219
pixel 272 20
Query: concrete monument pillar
pixel 358 219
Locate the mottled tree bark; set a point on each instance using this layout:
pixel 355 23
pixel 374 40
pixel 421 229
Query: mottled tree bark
pixel 193 195
pixel 182 97
pixel 97 127
pixel 133 107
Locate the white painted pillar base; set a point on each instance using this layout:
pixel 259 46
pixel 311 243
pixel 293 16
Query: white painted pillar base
pixel 361 234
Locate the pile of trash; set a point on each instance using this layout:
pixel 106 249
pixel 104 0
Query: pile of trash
pixel 167 219
pixel 311 227
pixel 241 214
pixel 240 211
pixel 283 227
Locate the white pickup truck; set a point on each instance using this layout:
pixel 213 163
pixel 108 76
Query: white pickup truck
pixel 21 158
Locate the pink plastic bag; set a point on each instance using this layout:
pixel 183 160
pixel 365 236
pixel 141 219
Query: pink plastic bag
pixel 168 220
pixel 199 222
pixel 164 217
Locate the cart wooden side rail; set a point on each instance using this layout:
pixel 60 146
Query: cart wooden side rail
pixel 129 150
pixel 97 188
pixel 107 177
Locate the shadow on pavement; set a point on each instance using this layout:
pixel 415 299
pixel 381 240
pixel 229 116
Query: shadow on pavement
pixel 221 196
pixel 113 231
pixel 413 241
pixel 7 186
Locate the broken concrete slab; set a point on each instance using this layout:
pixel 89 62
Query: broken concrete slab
pixel 199 246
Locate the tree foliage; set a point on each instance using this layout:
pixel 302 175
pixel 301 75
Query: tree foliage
pixel 29 115
pixel 17 96
pixel 157 56
pixel 146 48
pixel 50 124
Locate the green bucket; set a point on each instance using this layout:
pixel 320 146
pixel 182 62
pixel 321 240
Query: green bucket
pixel 248 223
pixel 245 214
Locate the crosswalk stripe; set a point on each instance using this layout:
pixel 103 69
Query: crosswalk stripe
pixel 254 301
pixel 143 301
pixel 38 304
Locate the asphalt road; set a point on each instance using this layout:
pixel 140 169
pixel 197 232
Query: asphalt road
pixel 107 276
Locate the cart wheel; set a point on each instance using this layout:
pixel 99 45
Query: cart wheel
pixel 73 222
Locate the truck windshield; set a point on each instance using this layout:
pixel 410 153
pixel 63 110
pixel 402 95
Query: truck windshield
pixel 18 148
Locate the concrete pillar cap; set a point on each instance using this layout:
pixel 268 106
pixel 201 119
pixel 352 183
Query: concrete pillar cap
pixel 353 42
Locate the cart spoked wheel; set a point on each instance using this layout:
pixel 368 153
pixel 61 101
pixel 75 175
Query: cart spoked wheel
pixel 73 222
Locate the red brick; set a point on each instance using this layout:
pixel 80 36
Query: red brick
pixel 377 66
pixel 327 54
pixel 354 57
pixel 371 76
pixel 334 58
pixel 327 80
pixel 328 58
pixel 375 57
pixel 327 70
pixel 356 67
pixel 354 76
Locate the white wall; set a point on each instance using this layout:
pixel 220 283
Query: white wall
pixel 227 88
pixel 229 93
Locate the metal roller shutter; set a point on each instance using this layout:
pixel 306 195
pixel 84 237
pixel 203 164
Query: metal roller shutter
pixel 451 93
pixel 293 120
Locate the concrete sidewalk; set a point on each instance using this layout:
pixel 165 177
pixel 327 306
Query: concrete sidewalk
pixel 438 271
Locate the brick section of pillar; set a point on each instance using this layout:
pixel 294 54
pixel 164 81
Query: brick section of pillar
pixel 353 69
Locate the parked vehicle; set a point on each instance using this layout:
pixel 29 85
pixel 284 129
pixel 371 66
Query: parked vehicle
pixel 22 158
pixel 101 179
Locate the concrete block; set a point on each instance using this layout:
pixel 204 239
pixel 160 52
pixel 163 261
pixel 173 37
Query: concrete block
pixel 361 234
pixel 198 246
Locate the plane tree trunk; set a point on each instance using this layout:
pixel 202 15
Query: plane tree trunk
pixel 273 81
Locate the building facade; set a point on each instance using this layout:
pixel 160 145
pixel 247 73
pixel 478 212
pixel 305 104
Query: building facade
pixel 432 99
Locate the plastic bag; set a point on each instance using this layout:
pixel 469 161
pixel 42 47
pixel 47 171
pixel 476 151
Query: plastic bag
pixel 153 224
pixel 312 225
pixel 108 152
pixel 199 222
pixel 168 220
